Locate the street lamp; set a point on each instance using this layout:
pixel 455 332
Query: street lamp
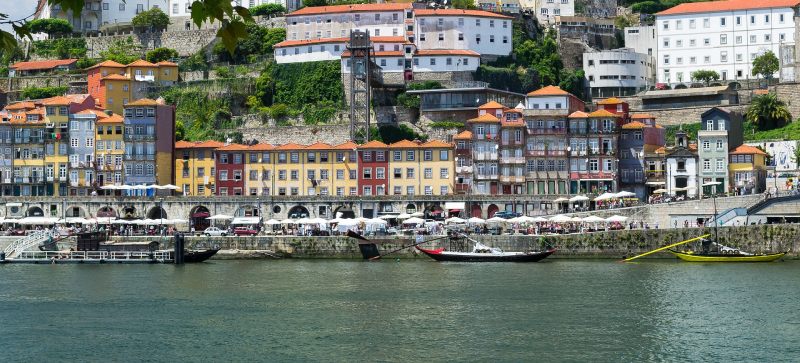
pixel 569 176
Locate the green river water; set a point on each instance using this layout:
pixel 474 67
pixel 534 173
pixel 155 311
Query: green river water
pixel 406 311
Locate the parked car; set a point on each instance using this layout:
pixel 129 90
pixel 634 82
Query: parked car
pixel 244 231
pixel 214 231
pixel 506 214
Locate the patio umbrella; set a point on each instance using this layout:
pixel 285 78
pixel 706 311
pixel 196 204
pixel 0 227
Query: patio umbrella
pixel 476 220
pixel 578 198
pixel 605 196
pixel 288 221
pixel 272 222
pixel 561 200
pixel 660 191
pixel 303 221
pixel 417 214
pixel 404 216
pixel 616 218
pixel 348 222
pixel 496 220
pixel 219 217
pixel 454 220
pixel 593 219
pixel 561 219
pixel 318 221
pixel 625 194
pixel 539 219
pixel 170 187
pixel 414 220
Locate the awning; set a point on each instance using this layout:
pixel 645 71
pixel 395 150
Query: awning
pixel 454 205
pixel 200 215
pixel 655 183
pixel 246 220
pixel 13 204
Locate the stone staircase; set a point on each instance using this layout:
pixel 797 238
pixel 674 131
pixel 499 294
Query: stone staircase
pixel 25 243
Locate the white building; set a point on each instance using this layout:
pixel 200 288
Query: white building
pixel 548 10
pixel 97 13
pixel 617 72
pixel 642 39
pixel 180 8
pixel 723 36
pixel 404 39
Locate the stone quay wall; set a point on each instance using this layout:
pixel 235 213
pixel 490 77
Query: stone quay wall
pixel 610 245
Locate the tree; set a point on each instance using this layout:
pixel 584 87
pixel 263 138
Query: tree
pixel 768 112
pixel 267 10
pixel 315 3
pixel 203 11
pixel 766 65
pixel 463 4
pixel 154 19
pixel 50 26
pixel 161 54
pixel 573 82
pixel 121 51
pixel 704 75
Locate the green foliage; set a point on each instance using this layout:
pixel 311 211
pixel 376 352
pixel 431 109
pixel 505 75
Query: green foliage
pixel 447 124
pixel 43 92
pixel 751 133
pixel 689 128
pixel 704 75
pixel 267 10
pixel 202 117
pixel 84 63
pixel 154 19
pixel 3 71
pixel 647 7
pixel 622 22
pixel 223 72
pixel 319 113
pixel 196 62
pixel 501 78
pixel 572 81
pixel 768 112
pixel 302 84
pixel 315 2
pixel 161 54
pixel 60 48
pixel 389 134
pixel 464 4
pixel 180 130
pixel 278 111
pixel 122 51
pixel 258 42
pixel 50 26
pixel 412 101
pixel 766 65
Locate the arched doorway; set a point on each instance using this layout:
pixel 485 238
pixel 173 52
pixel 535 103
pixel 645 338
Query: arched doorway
pixel 411 208
pixel 476 211
pixel 491 210
pixel 75 212
pixel 343 212
pixel 247 211
pixel 434 212
pixel 298 211
pixel 34 212
pixel 157 213
pixel 128 212
pixel 106 212
pixel 198 218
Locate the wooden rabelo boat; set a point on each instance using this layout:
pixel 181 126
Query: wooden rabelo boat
pixel 483 254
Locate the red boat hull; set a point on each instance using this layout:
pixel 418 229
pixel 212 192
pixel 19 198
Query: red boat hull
pixel 439 255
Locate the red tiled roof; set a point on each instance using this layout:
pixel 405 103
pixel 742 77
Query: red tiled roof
pixel 181 144
pixel 549 91
pixel 290 146
pixel 635 125
pixel 234 147
pixel 319 146
pixel 374 144
pixel 315 10
pixel 20 105
pixel 610 101
pixel 578 114
pixel 491 105
pixel 142 102
pixel 436 144
pixel 747 149
pixel 210 144
pixel 108 63
pixel 141 63
pixel 46 64
pixel 464 52
pixel 602 113
pixel 113 119
pixel 262 146
pixel 404 144
pixel 458 12
pixel 56 101
pixel 291 43
pixel 349 145
pixel 166 64
pixel 484 118
pixel 115 77
pixel 728 5
pixel 388 53
pixel 641 116
pixel 463 135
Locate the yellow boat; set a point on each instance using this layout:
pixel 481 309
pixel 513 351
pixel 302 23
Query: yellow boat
pixel 726 257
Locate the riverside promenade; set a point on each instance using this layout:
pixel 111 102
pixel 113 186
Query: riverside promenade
pixel 608 245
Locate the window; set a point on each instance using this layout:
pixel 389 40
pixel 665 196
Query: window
pixel 428 173
pixel 367 173
pixel 722 21
pixel 444 173
pixel 410 190
pixel 409 173
pixel 719 144
pixel 706 23
pixel 720 164
pixel 380 173
pixel 723 39
pixel 706 145
pixel 410 155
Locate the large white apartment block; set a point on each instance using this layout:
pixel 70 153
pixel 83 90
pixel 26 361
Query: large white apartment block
pixel 180 8
pixel 723 36
pixel 404 39
pixel 617 72
pixel 642 39
pixel 97 13
pixel 548 10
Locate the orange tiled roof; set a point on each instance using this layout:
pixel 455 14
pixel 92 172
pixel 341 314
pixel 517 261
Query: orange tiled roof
pixel 610 101
pixel 142 102
pixel 166 64
pixel 349 145
pixel 319 146
pixel 115 77
pixel 56 101
pixel 262 146
pixel 234 147
pixel 578 114
pixel 141 63
pixel 38 65
pixel 513 123
pixel 404 144
pixel 181 144
pixel 108 63
pixel 641 116
pixel 20 105
pixel 290 146
pixel 374 144
pixel 458 12
pixel 490 105
pixel 209 144
pixel 602 113
pixel 659 126
pixel 314 10
pixel 113 119
pixel 466 52
pixel 747 149
pixel 634 125
pixel 386 53
pixel 436 144
pixel 549 91
pixel 463 135
pixel 484 118
pixel 727 6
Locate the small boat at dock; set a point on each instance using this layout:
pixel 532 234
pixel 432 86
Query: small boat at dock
pixel 485 254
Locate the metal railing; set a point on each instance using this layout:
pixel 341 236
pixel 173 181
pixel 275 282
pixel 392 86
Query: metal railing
pixel 31 240
pixel 156 256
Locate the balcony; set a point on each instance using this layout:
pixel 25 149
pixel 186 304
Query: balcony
pixel 462 188
pixel 512 179
pixel 593 131
pixel 129 137
pixel 509 142
pixel 485 176
pixel 463 169
pixel 592 175
pixel 652 175
pixel 140 157
pixel 484 156
pixel 74 183
pixel 512 160
pixel 547 153
pixel 548 131
pixel 547 174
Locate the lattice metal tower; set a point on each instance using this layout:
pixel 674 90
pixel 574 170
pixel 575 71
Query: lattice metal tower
pixel 361 68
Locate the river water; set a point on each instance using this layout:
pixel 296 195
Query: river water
pixel 558 310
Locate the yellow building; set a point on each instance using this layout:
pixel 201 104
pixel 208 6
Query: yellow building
pixel 194 167
pixel 421 168
pixel 109 148
pixel 259 169
pixel 113 85
pixel 748 169
pixel 29 154
pixel 318 169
